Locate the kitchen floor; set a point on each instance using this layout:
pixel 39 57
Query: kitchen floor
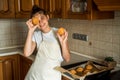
pixel 115 75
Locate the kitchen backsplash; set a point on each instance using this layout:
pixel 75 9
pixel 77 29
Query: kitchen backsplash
pixel 103 35
pixel 12 32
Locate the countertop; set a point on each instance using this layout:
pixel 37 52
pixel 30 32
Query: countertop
pixel 74 58
pixel 7 52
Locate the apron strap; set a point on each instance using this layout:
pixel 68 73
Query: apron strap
pixel 42 36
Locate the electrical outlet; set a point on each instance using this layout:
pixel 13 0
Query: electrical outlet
pixel 75 35
pixel 80 36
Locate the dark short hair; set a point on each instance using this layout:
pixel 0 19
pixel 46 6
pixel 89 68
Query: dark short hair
pixel 36 9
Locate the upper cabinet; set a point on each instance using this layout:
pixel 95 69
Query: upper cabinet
pixel 46 5
pixel 84 9
pixel 65 9
pixel 108 5
pixel 54 7
pixel 23 7
pixel 16 8
pixel 57 8
pixel 7 9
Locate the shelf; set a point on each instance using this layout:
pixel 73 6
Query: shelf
pixel 108 5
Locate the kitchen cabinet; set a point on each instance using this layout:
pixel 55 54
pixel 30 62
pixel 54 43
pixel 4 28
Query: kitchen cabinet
pixel 7 9
pixel 9 67
pixel 75 9
pixel 23 8
pixel 25 64
pixel 46 5
pixel 108 5
pixel 16 8
pixel 84 9
pixel 53 7
pixel 57 8
pixel 65 9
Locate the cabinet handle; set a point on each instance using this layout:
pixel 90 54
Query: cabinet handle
pixel 5 5
pixel 18 5
pixel 32 2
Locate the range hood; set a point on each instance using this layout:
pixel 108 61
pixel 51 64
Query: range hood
pixel 108 5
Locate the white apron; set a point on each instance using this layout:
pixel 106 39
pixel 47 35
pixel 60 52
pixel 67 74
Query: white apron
pixel 46 59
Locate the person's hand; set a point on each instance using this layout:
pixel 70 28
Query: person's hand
pixel 63 38
pixel 31 27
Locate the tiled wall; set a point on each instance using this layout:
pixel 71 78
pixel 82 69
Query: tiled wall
pixel 12 32
pixel 103 35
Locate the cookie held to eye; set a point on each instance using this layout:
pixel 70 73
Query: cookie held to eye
pixel 35 21
pixel 61 31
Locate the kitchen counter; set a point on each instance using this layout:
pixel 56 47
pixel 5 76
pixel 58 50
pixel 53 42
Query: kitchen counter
pixel 7 52
pixel 74 58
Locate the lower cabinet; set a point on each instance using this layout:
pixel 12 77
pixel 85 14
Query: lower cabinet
pixel 15 67
pixel 9 67
pixel 25 64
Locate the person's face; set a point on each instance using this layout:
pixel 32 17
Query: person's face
pixel 43 21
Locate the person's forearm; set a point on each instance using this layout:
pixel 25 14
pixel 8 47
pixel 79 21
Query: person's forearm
pixel 65 52
pixel 28 44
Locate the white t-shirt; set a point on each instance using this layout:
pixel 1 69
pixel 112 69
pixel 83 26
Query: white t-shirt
pixel 38 36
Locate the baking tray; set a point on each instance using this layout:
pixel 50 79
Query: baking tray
pixel 102 72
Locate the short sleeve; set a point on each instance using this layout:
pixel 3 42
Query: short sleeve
pixel 37 38
pixel 55 29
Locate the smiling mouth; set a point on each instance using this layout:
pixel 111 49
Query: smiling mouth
pixel 42 24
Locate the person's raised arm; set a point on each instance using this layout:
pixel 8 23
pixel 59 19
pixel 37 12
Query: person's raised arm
pixel 29 44
pixel 64 46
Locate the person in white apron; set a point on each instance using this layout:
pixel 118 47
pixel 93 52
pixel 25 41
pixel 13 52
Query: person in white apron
pixel 52 48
